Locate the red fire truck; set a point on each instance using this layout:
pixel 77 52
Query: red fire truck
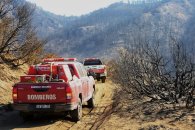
pixel 56 85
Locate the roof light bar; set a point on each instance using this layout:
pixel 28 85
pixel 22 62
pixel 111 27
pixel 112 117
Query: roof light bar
pixel 90 58
pixel 59 59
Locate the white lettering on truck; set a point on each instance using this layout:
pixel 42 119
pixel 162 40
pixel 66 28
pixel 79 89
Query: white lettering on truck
pixel 41 97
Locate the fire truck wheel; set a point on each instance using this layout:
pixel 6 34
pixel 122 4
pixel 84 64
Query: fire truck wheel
pixel 103 79
pixel 91 101
pixel 76 114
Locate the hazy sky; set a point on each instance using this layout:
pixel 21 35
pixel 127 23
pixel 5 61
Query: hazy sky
pixel 73 7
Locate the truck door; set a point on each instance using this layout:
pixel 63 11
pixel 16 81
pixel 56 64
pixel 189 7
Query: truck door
pixel 89 86
pixel 84 83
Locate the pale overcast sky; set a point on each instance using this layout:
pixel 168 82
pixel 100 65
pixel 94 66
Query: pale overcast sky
pixel 73 7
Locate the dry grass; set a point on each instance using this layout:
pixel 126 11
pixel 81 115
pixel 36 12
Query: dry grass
pixel 9 76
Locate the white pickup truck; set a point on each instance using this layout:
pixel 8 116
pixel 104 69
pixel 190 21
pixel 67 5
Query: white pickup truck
pixel 96 66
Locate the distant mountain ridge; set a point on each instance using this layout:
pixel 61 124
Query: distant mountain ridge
pixel 101 32
pixel 47 23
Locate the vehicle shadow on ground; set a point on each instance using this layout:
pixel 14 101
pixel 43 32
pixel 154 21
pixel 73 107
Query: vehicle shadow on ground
pixel 11 120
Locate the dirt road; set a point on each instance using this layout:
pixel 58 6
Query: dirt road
pixel 92 118
pixel 106 116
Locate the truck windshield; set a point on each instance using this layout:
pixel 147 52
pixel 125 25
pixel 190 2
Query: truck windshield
pixel 92 62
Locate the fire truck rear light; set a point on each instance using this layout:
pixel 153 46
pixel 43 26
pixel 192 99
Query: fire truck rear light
pixel 15 93
pixel 15 96
pixel 68 93
pixel 68 96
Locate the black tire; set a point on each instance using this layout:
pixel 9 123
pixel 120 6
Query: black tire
pixel 91 101
pixel 76 114
pixel 26 116
pixel 98 79
pixel 103 79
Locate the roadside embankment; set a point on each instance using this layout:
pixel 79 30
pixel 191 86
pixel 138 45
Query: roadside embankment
pixel 9 76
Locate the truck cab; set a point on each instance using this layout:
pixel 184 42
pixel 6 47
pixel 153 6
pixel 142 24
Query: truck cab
pixel 56 85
